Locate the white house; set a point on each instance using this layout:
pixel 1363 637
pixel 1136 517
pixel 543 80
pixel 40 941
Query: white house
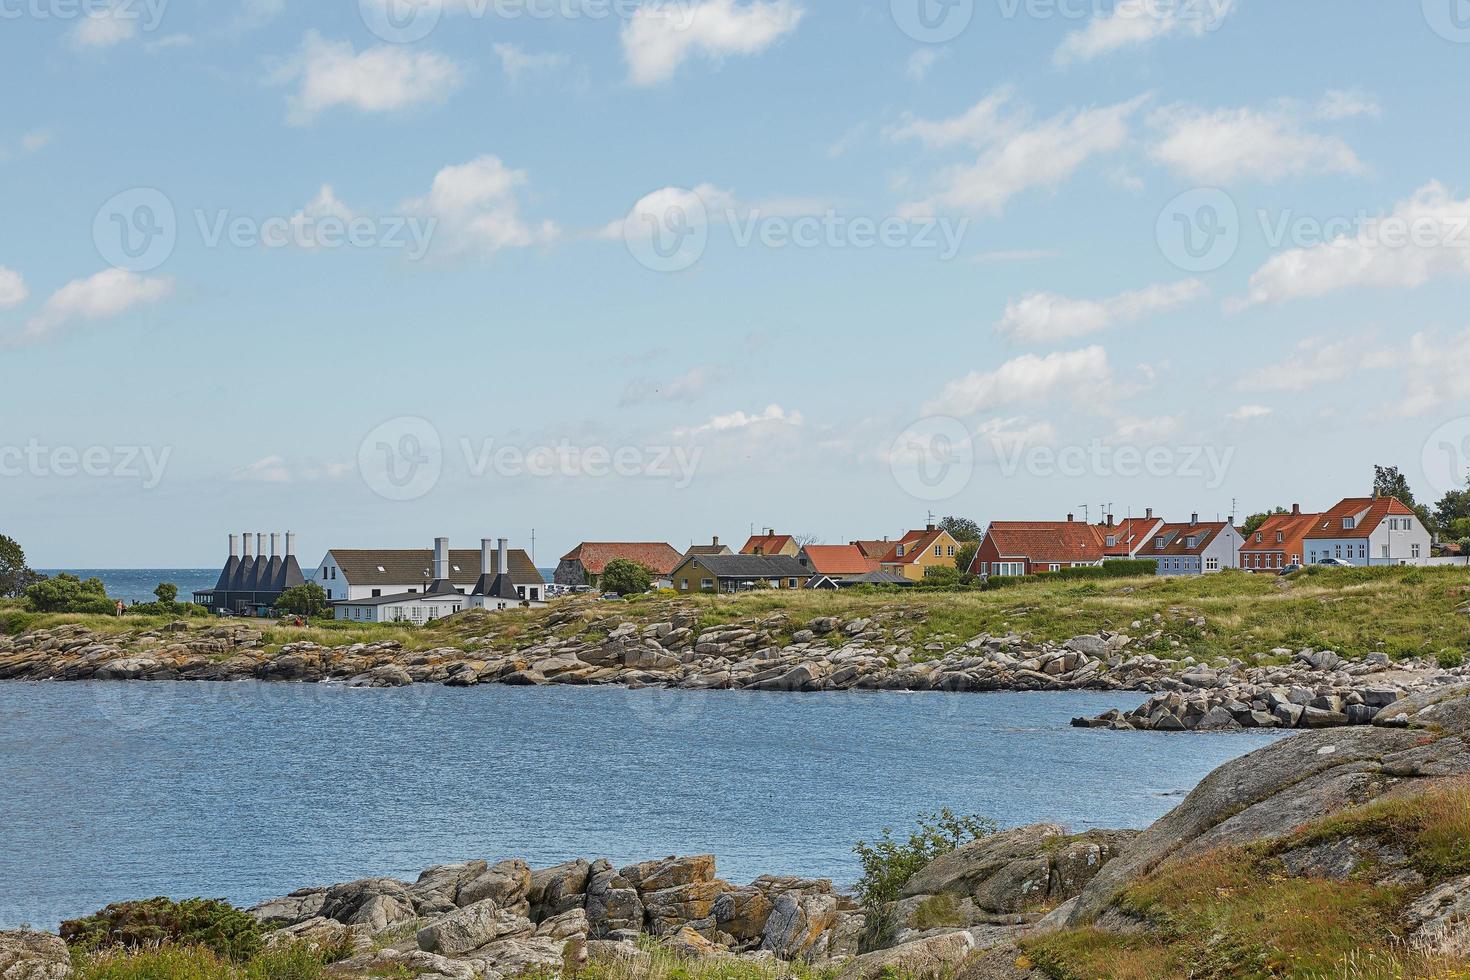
pixel 1196 548
pixel 1369 531
pixel 373 586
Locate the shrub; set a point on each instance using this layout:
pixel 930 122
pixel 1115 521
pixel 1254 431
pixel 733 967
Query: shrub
pixel 68 594
pixel 625 577
pixel 309 599
pixel 941 575
pixel 1450 659
pixel 889 863
pixel 212 924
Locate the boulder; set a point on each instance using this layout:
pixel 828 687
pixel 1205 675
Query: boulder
pixel 28 955
pixel 613 904
pixel 671 872
pixel 936 956
pixel 687 942
pixel 506 884
pixel 472 927
pixel 799 927
pixel 1440 918
pixel 437 888
pixel 373 903
pixel 533 956
pixel 742 913
pixel 558 889
pixel 299 906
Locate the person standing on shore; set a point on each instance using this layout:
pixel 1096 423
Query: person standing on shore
pixel 119 607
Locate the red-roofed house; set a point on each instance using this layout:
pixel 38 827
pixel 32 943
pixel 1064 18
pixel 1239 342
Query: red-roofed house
pixel 583 565
pixel 1196 548
pixel 1369 531
pixel 1126 538
pixel 837 561
pixel 771 544
pixel 1029 547
pixel 916 551
pixel 873 548
pixel 1279 542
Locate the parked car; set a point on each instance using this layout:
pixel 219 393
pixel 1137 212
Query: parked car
pixel 610 596
pixel 1293 567
pixel 1335 563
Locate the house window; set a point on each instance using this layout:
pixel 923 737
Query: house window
pixel 791 583
pixel 377 593
pixel 1258 537
pixel 1212 564
pixel 521 592
pixel 898 551
pixel 1413 551
pixel 950 551
pixel 1010 568
pixel 1280 537
pixel 939 551
pixel 1054 567
pixel 1385 551
pixel 1362 551
pixel 1337 548
pixel 1348 523
pixel 706 583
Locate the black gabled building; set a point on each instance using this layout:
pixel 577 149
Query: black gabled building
pixel 250 584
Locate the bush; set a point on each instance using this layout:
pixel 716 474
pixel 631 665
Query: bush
pixel 303 600
pixel 625 577
pixel 212 924
pixel 889 863
pixel 1450 659
pixel 942 575
pixel 68 594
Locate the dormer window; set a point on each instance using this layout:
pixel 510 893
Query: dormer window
pixel 1280 537
pixel 1191 542
pixel 899 551
pixel 1112 540
pixel 1258 537
pixel 1348 523
pixel 1159 542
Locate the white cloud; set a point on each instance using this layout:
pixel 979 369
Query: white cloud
pixel 106 26
pixel 1348 104
pixel 1314 361
pixel 257 13
pixel 1016 153
pixel 774 415
pixel 477 207
pixel 107 294
pixel 922 60
pixel 1027 378
pixel 661 36
pixel 1436 372
pixel 1225 145
pixel 1248 413
pixel 36 139
pixel 13 289
pixel 385 78
pixel 516 62
pixel 1141 431
pixel 276 469
pixel 656 209
pixel 1047 317
pixel 1425 237
pixel 1136 22
pixel 324 205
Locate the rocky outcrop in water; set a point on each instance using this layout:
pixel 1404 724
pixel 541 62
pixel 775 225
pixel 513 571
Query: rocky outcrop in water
pixel 579 646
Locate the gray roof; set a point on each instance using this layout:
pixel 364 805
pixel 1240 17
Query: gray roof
pixel 753 566
pixel 405 566
pixel 396 598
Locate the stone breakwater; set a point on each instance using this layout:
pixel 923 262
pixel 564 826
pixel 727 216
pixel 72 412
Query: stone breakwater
pixel 1317 689
pixel 887 651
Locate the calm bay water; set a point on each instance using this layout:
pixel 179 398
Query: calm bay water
pixel 245 791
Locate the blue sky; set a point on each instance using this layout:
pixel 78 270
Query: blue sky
pixel 891 273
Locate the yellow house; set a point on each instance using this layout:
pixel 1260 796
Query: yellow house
pixel 919 550
pixel 737 573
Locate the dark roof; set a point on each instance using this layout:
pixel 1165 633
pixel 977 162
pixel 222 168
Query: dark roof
pixel 227 574
pixel 496 587
pixel 752 566
pixel 397 597
pixel 406 566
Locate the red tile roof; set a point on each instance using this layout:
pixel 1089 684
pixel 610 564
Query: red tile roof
pixel 1367 514
pixel 915 543
pixel 1129 534
pixel 873 549
pixel 767 544
pixel 656 556
pixel 838 559
pixel 1291 527
pixel 1047 542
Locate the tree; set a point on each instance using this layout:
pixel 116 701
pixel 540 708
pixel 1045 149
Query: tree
pixel 1389 482
pixel 961 528
pixel 965 556
pixel 67 593
pixel 1253 523
pixel 303 600
pixel 1452 507
pixel 625 577
pixel 167 593
pixel 15 575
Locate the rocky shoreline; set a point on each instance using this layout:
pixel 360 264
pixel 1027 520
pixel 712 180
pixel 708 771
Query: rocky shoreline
pixel 581 646
pixel 963 915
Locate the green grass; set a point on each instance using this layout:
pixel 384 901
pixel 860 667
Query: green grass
pixel 1235 912
pixel 1398 611
pixel 197 963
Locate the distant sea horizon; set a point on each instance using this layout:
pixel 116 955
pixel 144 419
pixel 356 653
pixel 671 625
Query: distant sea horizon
pixel 137 584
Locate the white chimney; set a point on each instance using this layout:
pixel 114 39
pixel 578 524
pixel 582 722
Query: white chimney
pixel 234 546
pixel 441 559
pixel 245 545
pixel 259 544
pixel 502 560
pixel 487 556
pixel 290 543
pixel 275 544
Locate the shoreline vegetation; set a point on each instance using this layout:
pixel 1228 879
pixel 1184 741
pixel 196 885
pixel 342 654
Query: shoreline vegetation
pixel 1328 854
pixel 1320 648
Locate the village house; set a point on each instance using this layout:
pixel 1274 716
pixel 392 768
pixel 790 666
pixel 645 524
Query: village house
pixel 1278 542
pixel 713 548
pixel 837 563
pixel 1369 531
pixel 771 543
pixel 874 549
pixel 1195 548
pixel 918 551
pixel 1015 548
pixel 584 564
pixel 373 589
pixel 1128 537
pixel 738 573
